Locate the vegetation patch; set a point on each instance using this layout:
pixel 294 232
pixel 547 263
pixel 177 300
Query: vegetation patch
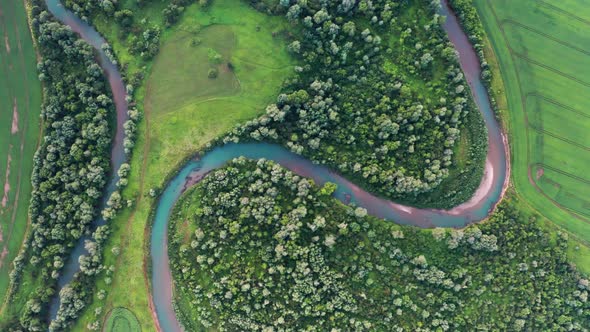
pixel 185 120
pixel 20 100
pixel 545 75
pixel 380 97
pixel 265 248
pixel 183 73
pixel 69 173
pixel 122 320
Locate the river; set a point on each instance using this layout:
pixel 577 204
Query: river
pixel 476 209
pixel 117 151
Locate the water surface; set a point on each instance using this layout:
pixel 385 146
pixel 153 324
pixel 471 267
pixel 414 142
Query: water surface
pixel 474 210
pixel 117 151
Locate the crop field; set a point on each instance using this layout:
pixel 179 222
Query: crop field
pixel 183 110
pixel 544 56
pixel 20 104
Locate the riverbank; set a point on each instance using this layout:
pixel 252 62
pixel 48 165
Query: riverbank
pixel 494 184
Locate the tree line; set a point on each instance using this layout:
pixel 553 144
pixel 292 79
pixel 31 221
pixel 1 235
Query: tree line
pixel 255 247
pixel 378 95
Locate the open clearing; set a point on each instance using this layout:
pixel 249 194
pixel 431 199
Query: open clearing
pixel 543 53
pixel 20 105
pixel 183 110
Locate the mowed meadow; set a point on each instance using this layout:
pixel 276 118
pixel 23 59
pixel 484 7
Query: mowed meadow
pixel 543 50
pixel 184 108
pixel 20 105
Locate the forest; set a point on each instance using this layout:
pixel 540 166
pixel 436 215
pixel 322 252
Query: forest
pixel 71 165
pixel 379 96
pixel 257 247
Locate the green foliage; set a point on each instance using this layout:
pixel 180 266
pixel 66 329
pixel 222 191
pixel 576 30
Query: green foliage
pixel 380 97
pixel 548 122
pixel 71 165
pixel 214 57
pixel 186 110
pixel 254 246
pixel 20 95
pixel 122 320
pixel 212 73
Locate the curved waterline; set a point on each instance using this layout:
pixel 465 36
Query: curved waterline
pixel 118 157
pixel 476 209
pixel 488 194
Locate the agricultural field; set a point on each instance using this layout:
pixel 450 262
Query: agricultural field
pixel 20 105
pixel 183 110
pixel 543 56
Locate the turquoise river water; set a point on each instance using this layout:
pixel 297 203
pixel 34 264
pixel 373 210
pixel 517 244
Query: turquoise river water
pixel 476 209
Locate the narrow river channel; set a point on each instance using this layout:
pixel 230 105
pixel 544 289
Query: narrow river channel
pixel 476 209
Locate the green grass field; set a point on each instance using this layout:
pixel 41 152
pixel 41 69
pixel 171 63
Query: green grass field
pixel 20 105
pixel 183 110
pixel 121 320
pixel 542 51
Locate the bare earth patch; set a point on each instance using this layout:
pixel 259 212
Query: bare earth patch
pixel 6 43
pixel 3 255
pixel 540 172
pixel 7 184
pixel 14 128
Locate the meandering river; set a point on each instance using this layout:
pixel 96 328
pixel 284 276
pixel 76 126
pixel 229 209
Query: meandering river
pixel 117 151
pixel 476 209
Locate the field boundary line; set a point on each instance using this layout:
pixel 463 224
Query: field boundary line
pixel 562 172
pixel 564 12
pixel 536 94
pixel 545 66
pixel 556 136
pixel 547 36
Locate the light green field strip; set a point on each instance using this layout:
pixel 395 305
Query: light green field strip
pixel 544 18
pixel 539 50
pixel 568 158
pixel 535 87
pixel 565 189
pixel 548 117
pixel 20 105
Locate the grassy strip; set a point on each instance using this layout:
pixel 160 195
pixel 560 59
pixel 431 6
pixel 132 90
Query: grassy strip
pixel 20 102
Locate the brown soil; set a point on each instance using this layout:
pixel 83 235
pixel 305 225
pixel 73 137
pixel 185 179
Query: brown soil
pixel 7 183
pixel 14 128
pixel 6 43
pixel 540 172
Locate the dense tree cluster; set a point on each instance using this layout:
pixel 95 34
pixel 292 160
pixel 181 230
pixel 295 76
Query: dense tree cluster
pixel 379 96
pixel 255 247
pixel 144 36
pixel 75 296
pixel 469 20
pixel 71 165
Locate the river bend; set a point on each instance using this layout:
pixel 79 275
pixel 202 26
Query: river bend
pixel 476 209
